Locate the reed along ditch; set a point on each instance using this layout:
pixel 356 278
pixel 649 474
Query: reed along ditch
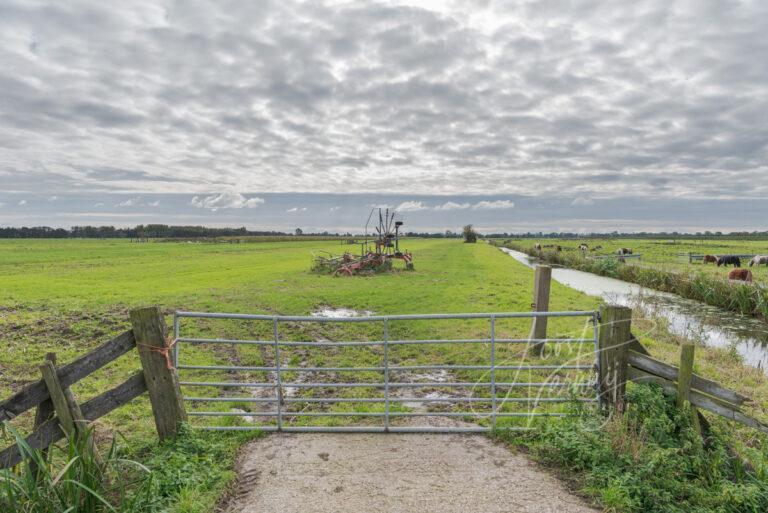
pixel 710 325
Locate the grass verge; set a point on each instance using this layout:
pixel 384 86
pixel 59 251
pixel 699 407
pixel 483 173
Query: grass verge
pixel 649 459
pixel 185 475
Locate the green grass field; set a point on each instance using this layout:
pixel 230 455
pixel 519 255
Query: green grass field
pixel 665 254
pixel 68 296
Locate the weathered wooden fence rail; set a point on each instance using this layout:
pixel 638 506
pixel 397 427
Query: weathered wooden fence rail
pixel 51 394
pixel 623 359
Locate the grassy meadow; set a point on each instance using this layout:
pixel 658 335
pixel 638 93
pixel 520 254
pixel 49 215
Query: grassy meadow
pixel 68 296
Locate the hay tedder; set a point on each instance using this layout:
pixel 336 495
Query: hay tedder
pixel 376 254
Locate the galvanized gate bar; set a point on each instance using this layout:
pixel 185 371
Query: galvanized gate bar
pixel 386 374
pixel 371 318
pixel 279 400
pixel 493 372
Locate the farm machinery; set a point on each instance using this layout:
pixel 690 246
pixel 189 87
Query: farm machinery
pixel 377 251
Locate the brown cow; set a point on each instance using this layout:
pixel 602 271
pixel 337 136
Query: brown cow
pixel 740 275
pixel 709 259
pixel 537 246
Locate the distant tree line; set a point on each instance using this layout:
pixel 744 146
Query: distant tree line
pixel 162 231
pixel 634 235
pixel 141 231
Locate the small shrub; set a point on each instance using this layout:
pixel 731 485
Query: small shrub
pixel 470 235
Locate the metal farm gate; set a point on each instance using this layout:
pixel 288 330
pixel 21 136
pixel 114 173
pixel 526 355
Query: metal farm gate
pixel 284 394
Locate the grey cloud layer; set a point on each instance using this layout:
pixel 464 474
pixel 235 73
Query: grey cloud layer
pixel 565 98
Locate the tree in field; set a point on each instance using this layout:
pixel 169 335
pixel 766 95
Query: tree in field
pixel 470 235
pixel 299 231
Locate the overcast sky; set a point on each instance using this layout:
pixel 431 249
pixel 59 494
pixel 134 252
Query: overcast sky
pixel 550 115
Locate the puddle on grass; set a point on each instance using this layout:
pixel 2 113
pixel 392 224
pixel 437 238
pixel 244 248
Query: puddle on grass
pixel 421 404
pixel 251 419
pixel 423 395
pixel 340 313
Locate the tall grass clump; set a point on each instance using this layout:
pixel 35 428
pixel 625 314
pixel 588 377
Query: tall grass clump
pixel 185 474
pixel 75 479
pixel 651 459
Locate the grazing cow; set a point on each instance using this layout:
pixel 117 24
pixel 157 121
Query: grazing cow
pixel 729 260
pixel 583 247
pixel 709 258
pixel 558 248
pixel 596 248
pixel 740 275
pixel 759 260
pixel 537 246
pixel 624 251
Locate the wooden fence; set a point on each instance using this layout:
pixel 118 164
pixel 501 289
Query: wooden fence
pixel 58 413
pixel 623 358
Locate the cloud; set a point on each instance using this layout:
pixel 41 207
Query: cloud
pixel 22 203
pixel 153 204
pixel 411 206
pixel 450 205
pixel 226 200
pixel 549 99
pixel 493 205
pixel 296 209
pixel 131 202
pixel 582 202
pixel 53 198
pixel 335 209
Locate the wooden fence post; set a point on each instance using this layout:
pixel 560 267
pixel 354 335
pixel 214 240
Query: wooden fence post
pixel 162 382
pixel 44 412
pixel 614 338
pixel 67 410
pixel 684 377
pixel 541 285
pixel 71 419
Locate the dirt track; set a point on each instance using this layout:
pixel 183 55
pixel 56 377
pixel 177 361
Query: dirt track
pixel 408 473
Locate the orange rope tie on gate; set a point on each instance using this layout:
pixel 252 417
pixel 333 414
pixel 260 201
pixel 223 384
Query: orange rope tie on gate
pixel 165 351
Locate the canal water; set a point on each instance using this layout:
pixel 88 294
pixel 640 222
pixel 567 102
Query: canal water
pixel 709 325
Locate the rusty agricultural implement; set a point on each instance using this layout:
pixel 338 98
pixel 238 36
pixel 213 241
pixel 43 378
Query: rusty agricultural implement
pixel 376 254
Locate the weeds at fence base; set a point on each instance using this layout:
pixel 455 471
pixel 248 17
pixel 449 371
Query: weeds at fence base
pixel 186 474
pixel 650 459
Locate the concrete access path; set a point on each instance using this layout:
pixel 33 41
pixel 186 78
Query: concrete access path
pixel 394 473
